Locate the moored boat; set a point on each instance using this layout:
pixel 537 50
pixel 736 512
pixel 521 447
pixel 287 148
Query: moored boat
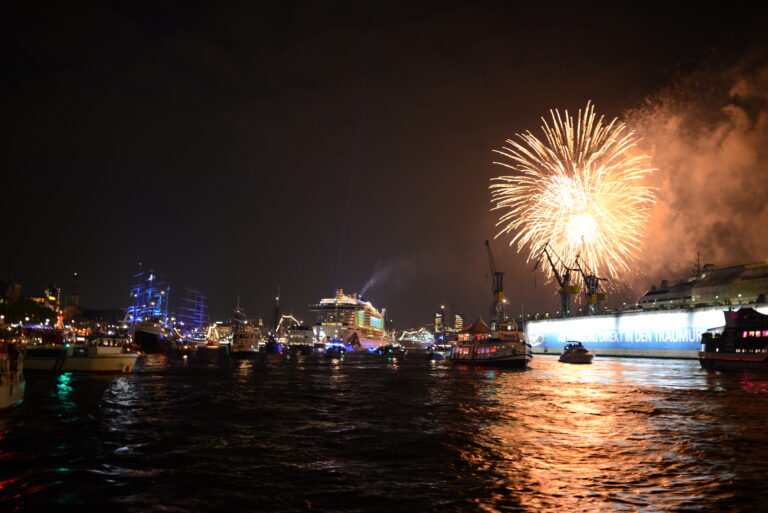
pixel 301 340
pixel 391 350
pixel 185 348
pixel 741 344
pixel 505 346
pixel 246 343
pixel 12 382
pixel 99 354
pixel 575 352
pixel 436 353
pixel 149 337
pixel 272 346
pixel 335 348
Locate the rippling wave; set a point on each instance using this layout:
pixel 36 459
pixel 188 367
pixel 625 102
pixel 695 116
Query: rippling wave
pixel 371 434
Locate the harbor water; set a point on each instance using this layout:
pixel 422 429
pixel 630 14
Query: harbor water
pixel 366 434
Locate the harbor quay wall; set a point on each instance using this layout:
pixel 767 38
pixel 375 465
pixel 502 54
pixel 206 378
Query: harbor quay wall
pixel 655 333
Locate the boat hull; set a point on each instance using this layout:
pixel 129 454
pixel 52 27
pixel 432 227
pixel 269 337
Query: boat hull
pixel 244 355
pixel 12 394
pixel 300 349
pixel 334 352
pixel 581 358
pixel 122 363
pixel 518 362
pixel 151 343
pixel 732 362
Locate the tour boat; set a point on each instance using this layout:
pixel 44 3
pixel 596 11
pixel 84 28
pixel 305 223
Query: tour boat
pixel 301 339
pixel 741 344
pixel 575 352
pixel 505 346
pixel 11 376
pixel 99 354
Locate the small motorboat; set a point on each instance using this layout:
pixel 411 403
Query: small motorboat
pixel 391 350
pixel 575 352
pixel 435 354
pixel 335 349
pixel 300 349
pixel 273 346
pixel 438 352
pixel 185 349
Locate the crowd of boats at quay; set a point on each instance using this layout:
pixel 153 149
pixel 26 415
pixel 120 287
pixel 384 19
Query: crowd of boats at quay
pixel 345 325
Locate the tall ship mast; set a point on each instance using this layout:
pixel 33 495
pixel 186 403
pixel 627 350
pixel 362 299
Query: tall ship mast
pixel 147 311
pixel 348 318
pixel 192 315
pixel 149 297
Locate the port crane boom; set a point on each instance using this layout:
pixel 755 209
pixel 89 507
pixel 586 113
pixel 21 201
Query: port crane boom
pixel 497 307
pixel 591 284
pixel 562 275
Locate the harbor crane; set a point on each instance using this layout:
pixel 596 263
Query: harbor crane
pixel 497 307
pixel 562 275
pixel 591 285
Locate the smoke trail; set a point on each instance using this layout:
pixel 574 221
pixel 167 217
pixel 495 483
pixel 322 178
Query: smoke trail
pixel 708 136
pixel 395 273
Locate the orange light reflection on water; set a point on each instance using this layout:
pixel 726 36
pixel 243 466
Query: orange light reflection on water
pixel 580 438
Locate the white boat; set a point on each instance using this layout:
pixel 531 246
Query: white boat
pixel 197 339
pixel 246 343
pixel 506 346
pixel 301 339
pixel 11 376
pixel 102 354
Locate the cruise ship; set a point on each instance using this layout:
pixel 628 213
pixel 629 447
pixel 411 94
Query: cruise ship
pixel 668 321
pixel 348 318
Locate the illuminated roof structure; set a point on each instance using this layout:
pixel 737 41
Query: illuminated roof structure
pixel 421 335
pixel 708 286
pixel 479 326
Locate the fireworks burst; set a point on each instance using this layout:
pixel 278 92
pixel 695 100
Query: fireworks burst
pixel 580 190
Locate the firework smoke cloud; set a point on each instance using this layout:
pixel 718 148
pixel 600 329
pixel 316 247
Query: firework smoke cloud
pixel 708 136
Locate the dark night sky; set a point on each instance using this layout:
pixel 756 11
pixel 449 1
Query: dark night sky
pixel 303 145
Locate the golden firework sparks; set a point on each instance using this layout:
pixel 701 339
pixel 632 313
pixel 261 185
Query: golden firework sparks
pixel 580 189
